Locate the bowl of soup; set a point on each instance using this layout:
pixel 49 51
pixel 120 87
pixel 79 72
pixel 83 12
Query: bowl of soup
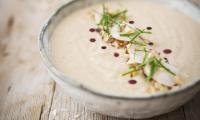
pixel 125 58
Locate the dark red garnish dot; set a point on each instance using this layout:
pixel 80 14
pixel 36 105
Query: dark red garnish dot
pixel 149 28
pixel 92 30
pixel 92 39
pixel 167 51
pixel 131 22
pixel 132 81
pixel 98 30
pixel 116 54
pixel 103 47
pixel 151 43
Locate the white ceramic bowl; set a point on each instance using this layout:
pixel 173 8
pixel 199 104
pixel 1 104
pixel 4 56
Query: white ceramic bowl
pixel 125 107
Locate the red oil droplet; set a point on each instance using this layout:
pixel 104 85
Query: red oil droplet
pixel 131 22
pixel 151 43
pixel 116 54
pixel 149 28
pixel 92 39
pixel 167 51
pixel 92 30
pixel 103 47
pixel 132 81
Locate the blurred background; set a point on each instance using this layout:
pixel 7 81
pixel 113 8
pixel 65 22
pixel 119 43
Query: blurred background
pixel 26 90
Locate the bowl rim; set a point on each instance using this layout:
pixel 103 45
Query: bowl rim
pixel 52 69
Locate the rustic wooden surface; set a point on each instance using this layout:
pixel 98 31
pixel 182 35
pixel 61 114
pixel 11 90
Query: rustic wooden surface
pixel 26 90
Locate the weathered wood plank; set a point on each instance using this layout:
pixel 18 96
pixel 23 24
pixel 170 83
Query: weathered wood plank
pixel 64 107
pixel 192 109
pixel 25 87
pixel 175 115
pixel 196 2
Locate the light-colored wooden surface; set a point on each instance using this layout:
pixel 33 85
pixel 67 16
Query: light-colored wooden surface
pixel 26 90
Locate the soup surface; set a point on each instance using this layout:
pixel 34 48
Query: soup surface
pixel 83 56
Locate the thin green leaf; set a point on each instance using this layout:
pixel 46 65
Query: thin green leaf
pixel 120 13
pixel 164 67
pixel 145 56
pixel 138 43
pixel 108 19
pixel 128 34
pixel 132 69
pixel 153 69
pixel 128 72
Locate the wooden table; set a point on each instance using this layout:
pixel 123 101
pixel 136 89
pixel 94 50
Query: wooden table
pixel 26 90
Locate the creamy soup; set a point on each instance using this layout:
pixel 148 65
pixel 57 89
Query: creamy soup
pixel 83 56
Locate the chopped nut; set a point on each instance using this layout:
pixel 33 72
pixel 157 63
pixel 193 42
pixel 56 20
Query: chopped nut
pixel 122 27
pixel 150 89
pixel 133 74
pixel 118 44
pixel 178 80
pixel 115 44
pixel 132 65
pixel 106 37
pixel 158 85
pixel 164 89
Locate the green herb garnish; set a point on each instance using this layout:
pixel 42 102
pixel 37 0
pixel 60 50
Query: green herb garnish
pixel 135 35
pixel 138 43
pixel 131 70
pixel 145 56
pixel 168 70
pixel 108 19
pixel 155 64
pixel 119 18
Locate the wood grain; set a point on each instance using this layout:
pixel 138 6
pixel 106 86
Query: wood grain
pixel 26 90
